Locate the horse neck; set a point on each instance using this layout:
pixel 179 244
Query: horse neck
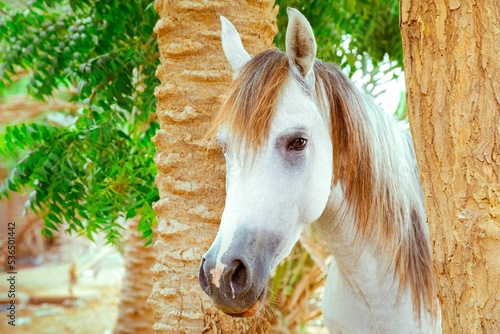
pixel 337 227
pixel 364 269
pixel 363 280
pixel 361 259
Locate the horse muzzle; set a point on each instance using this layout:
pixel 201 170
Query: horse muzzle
pixel 236 282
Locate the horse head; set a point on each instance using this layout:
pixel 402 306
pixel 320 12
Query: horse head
pixel 278 152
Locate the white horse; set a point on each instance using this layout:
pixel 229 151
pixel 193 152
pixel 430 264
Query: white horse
pixel 302 145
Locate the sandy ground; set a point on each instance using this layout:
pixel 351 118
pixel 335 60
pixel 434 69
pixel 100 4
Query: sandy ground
pixel 44 304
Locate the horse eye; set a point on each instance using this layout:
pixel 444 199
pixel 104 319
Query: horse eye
pixel 298 144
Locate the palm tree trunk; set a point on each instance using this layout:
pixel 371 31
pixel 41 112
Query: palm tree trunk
pixel 134 315
pixel 194 75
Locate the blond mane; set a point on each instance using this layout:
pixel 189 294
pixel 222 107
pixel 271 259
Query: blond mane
pixel 373 161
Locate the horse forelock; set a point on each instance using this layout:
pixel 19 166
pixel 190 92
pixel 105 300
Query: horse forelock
pixel 373 162
pixel 252 99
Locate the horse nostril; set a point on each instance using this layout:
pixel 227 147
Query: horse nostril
pixel 203 278
pixel 238 278
pixel 233 279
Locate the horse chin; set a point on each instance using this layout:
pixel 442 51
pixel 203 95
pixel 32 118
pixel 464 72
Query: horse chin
pixel 252 310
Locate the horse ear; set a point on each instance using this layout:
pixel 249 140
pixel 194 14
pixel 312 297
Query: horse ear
pixel 232 46
pixel 300 42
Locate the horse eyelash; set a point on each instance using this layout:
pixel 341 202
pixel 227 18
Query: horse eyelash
pixel 301 148
pixel 223 146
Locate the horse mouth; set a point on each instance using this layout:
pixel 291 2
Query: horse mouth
pixel 252 310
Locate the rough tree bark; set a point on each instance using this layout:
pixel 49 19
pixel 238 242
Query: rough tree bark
pixel 452 68
pixel 194 75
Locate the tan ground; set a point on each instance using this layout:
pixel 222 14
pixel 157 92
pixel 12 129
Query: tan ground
pixel 46 306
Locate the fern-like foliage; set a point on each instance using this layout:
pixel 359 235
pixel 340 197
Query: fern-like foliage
pixel 91 173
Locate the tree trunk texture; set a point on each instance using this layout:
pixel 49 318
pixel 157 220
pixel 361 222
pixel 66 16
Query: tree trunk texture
pixel 194 75
pixel 452 68
pixel 134 315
